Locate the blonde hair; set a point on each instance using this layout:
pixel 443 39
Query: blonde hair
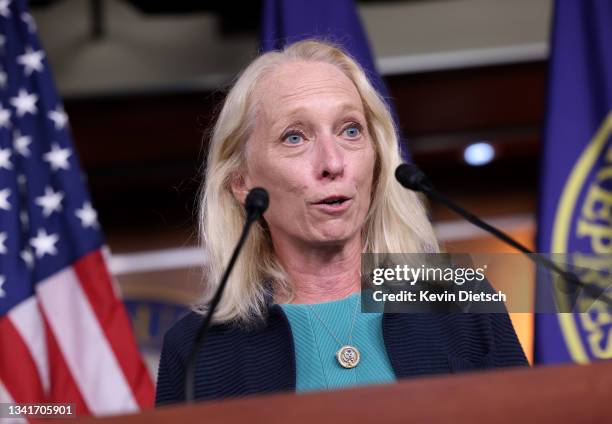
pixel 396 221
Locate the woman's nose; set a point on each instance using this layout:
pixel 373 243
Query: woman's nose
pixel 330 157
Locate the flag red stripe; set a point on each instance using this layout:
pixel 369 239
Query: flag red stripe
pixel 17 368
pixel 84 346
pixel 97 284
pixel 63 385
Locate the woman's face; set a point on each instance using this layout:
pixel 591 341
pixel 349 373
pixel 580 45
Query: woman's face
pixel 311 150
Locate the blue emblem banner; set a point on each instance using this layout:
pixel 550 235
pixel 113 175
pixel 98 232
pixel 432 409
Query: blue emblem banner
pixel 575 210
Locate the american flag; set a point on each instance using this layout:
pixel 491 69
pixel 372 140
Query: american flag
pixel 64 333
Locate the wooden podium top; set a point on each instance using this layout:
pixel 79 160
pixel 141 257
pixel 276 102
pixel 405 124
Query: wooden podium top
pixel 569 393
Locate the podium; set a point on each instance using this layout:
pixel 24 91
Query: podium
pixel 551 394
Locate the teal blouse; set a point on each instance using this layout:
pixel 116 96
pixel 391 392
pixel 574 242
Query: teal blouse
pixel 315 348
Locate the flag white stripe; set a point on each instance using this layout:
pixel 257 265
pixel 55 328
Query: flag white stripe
pixel 84 346
pixel 28 322
pixel 5 397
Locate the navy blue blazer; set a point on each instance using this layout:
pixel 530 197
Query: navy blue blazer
pixel 239 362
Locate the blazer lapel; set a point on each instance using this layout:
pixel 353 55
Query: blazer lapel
pixel 413 344
pixel 240 362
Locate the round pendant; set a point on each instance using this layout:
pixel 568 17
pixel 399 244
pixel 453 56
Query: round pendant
pixel 348 356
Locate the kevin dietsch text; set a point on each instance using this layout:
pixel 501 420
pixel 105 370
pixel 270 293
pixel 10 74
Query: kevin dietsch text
pixel 428 296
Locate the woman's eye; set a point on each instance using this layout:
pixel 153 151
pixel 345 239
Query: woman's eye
pixel 352 131
pixel 293 138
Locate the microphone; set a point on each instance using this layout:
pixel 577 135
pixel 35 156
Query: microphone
pixel 255 204
pixel 412 178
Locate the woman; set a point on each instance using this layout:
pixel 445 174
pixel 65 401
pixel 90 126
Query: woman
pixel 306 124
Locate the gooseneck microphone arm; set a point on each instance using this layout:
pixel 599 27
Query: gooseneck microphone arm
pixel 256 204
pixel 412 178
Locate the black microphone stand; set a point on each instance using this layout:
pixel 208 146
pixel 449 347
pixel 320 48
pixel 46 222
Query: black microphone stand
pixel 412 178
pixel 256 204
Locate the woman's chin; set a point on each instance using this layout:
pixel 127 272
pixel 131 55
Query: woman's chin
pixel 334 237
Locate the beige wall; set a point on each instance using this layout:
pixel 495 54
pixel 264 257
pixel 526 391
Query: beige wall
pixel 169 52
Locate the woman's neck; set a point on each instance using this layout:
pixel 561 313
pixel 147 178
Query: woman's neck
pixel 322 273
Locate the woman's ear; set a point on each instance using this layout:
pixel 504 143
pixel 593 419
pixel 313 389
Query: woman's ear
pixel 239 187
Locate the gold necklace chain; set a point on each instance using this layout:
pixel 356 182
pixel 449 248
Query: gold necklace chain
pixel 348 356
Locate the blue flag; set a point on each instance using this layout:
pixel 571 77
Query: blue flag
pixel 287 21
pixel 575 211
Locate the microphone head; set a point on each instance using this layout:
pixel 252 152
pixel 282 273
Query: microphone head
pixel 411 177
pixel 256 202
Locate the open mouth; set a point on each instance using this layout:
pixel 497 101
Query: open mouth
pixel 335 200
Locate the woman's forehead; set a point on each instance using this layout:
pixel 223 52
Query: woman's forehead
pixel 298 82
